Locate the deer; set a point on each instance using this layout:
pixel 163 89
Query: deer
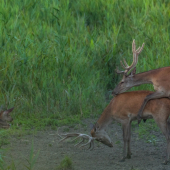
pixel 158 77
pixel 5 117
pixel 124 109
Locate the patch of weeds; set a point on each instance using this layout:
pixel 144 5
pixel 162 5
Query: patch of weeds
pixel 53 127
pixel 49 144
pixel 4 136
pixel 66 129
pixel 32 159
pixel 152 139
pixel 66 164
pixel 134 168
pixel 145 129
pixel 4 165
pixel 71 126
pixel 118 142
pixel 75 128
pixel 134 124
pixel 12 166
pixel 83 124
pixel 4 141
pixel 21 133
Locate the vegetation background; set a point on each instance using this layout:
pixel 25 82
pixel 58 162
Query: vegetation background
pixel 58 57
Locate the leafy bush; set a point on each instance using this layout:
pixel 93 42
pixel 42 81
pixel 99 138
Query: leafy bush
pixel 66 164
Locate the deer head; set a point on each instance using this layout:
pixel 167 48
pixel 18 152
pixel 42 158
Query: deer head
pixel 97 133
pixel 101 135
pixel 128 79
pixel 5 117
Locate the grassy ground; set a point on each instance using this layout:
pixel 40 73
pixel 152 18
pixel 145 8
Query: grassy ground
pixel 58 57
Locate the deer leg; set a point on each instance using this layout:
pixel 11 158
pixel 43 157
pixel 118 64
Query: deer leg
pixel 165 128
pixel 168 143
pixel 155 95
pixel 167 152
pixel 126 130
pixel 128 142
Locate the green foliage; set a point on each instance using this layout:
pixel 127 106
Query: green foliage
pixel 32 159
pixel 145 131
pixel 12 166
pixel 4 137
pixel 58 57
pixel 66 164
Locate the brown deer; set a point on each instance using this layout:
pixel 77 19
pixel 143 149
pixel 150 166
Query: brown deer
pixel 160 78
pixel 124 108
pixel 5 117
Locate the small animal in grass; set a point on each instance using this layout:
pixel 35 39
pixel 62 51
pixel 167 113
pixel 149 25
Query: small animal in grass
pixel 5 118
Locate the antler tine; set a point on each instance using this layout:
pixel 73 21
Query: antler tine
pixel 89 141
pixel 139 50
pixel 135 56
pixel 91 146
pixel 125 63
pixel 135 59
pixel 79 135
pixel 68 135
pixel 118 71
pixel 133 46
pixel 79 142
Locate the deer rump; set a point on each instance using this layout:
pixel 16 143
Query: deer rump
pixel 124 109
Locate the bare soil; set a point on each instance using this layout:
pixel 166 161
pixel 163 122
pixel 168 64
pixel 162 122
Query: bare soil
pixel 145 156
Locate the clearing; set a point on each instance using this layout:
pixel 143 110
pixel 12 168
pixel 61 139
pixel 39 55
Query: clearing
pixel 146 154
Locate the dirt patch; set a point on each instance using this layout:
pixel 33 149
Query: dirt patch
pixel 145 156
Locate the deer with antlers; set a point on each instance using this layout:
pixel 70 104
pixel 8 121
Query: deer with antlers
pixel 160 78
pixel 124 108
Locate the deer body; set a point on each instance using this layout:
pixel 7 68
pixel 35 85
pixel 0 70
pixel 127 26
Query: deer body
pixel 124 108
pixel 159 78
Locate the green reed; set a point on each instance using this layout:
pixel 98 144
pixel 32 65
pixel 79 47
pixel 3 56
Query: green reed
pixel 58 57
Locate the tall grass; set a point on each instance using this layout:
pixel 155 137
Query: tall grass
pixel 58 56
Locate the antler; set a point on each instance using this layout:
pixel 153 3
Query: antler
pixel 79 135
pixel 135 59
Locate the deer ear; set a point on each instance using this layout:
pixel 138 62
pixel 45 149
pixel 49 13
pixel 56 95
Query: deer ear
pixel 96 126
pixel 8 111
pixel 133 72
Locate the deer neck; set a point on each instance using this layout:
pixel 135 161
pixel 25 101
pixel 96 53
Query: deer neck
pixel 143 78
pixel 106 117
